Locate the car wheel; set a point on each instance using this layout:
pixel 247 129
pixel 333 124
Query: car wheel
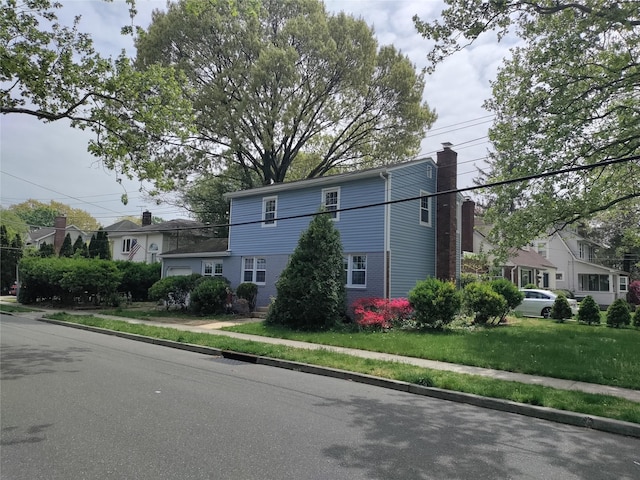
pixel 546 312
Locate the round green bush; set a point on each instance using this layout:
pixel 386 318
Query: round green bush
pixel 435 302
pixel 589 311
pixel 248 291
pixel 208 296
pixel 636 317
pixel 561 309
pixel 483 302
pixel 618 313
pixel 511 293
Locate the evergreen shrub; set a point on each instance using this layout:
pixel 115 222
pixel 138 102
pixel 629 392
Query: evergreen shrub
pixel 311 290
pixel 561 310
pixel 435 302
pixel 589 311
pixel 618 313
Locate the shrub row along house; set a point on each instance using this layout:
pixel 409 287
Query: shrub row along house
pixel 395 231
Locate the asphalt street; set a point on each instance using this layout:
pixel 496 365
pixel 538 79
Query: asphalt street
pixel 80 405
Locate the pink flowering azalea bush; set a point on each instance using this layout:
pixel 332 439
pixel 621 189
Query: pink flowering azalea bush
pixel 381 313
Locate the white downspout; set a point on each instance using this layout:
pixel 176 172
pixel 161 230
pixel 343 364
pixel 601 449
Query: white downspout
pixel 387 232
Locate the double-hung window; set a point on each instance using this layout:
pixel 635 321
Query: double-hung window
pixel 355 267
pixel 269 211
pixel 331 202
pixel 425 209
pixel 254 270
pixel 212 269
pixel 623 284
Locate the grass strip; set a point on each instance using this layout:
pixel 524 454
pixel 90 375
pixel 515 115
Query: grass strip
pixel 601 355
pixel 16 309
pixel 579 402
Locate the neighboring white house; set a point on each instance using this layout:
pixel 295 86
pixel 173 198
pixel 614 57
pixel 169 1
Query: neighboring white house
pixel 578 267
pixel 522 267
pixel 132 242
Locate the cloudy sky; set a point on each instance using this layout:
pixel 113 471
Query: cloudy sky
pixel 50 161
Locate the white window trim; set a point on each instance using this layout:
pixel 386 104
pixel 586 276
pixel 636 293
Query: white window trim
pixel 623 281
pixel 429 207
pixel 128 243
pixel 213 268
pixel 429 171
pixel 546 248
pixel 324 204
pixel 254 270
pixel 559 276
pixel 269 223
pixel 349 270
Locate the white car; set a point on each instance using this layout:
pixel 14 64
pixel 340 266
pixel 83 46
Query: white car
pixel 538 303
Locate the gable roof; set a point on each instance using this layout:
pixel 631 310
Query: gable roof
pixel 328 180
pixel 42 233
pixel 529 258
pixel 128 227
pixel 122 226
pixel 213 247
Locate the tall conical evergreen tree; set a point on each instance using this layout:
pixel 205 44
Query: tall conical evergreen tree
pixel 80 246
pixel 311 289
pixel 66 250
pixel 102 245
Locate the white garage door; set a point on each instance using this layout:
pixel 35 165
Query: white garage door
pixel 175 271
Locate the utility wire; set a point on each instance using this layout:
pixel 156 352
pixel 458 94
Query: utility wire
pixel 446 192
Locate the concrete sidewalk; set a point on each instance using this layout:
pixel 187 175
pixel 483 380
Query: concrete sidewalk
pixel 214 328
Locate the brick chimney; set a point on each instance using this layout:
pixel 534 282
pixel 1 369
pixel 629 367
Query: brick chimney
pixel 146 218
pixel 60 225
pixel 446 212
pixel 468 212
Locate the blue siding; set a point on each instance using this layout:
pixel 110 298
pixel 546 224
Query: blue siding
pixel 411 245
pixel 361 230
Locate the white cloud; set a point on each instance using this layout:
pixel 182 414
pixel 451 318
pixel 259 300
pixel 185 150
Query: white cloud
pixel 50 161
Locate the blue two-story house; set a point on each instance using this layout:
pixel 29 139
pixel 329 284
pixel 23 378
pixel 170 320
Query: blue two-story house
pixel 394 229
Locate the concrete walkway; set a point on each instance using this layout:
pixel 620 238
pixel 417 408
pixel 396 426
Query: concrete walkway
pixel 214 328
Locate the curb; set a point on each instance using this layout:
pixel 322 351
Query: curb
pixel 592 422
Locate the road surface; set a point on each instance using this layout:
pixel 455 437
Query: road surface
pixel 81 405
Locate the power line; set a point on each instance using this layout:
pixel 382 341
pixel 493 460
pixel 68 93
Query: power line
pixel 604 163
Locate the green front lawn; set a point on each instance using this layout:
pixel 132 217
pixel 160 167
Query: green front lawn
pixel 594 354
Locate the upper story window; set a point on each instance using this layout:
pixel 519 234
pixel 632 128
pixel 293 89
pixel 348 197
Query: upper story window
pixel 269 211
pixel 429 171
pixel 331 201
pixel 128 244
pixel 542 248
pixel 425 209
pixel 254 270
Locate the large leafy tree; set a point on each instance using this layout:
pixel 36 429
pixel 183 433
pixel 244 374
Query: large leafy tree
pixel 39 214
pixel 52 72
pixel 272 80
pixel 567 97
